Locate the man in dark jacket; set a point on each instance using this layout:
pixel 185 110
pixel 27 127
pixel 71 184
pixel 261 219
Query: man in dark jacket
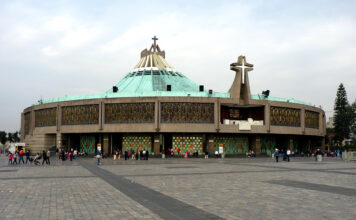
pixel 27 156
pixel 276 155
pixel 44 155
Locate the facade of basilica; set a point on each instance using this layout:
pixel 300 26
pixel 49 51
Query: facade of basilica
pixel 156 107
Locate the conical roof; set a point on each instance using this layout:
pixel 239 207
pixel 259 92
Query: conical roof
pixel 151 76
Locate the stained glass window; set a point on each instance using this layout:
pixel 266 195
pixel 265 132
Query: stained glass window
pixel 311 119
pixel 27 116
pixel 190 144
pixel 186 112
pixel 283 116
pixel 137 143
pixel 46 117
pixel 129 113
pixel 231 144
pixel 80 114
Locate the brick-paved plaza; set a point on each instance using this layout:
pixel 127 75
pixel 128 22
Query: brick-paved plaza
pixel 237 188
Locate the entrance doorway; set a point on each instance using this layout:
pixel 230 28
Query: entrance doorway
pixel 116 142
pixel 167 142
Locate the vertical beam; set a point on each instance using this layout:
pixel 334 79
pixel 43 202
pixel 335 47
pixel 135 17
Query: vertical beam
pixel 322 120
pixel 59 140
pixel 268 117
pixel 32 123
pixel 101 115
pixel 106 143
pixel 217 114
pixel 157 115
pixel 156 143
pixel 302 119
pixel 257 145
pixel 22 130
pixel 59 118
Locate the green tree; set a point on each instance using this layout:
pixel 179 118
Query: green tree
pixel 343 115
pixel 10 137
pixel 353 121
pixel 3 137
pixel 16 136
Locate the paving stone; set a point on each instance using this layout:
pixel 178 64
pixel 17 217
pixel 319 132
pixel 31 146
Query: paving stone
pixel 238 188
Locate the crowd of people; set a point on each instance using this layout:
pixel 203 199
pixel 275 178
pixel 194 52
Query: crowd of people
pixel 21 156
pixel 134 155
pixel 72 154
pixel 285 155
pixel 18 156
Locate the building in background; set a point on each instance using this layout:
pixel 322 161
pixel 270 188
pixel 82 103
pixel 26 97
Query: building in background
pixel 156 107
pixel 330 123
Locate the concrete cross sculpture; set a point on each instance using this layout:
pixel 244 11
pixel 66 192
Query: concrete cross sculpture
pixel 240 88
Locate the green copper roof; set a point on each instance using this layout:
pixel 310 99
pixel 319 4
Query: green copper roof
pixel 150 77
pixel 154 83
pixel 269 98
pixel 151 83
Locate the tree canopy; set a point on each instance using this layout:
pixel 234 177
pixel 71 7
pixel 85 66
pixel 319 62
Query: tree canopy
pixel 344 114
pixel 11 137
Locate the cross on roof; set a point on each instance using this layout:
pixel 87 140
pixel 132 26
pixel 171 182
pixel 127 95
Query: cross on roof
pixel 242 65
pixel 154 43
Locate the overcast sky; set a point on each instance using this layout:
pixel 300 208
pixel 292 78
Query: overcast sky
pixel 300 49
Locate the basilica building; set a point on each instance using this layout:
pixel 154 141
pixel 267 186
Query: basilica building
pixel 156 107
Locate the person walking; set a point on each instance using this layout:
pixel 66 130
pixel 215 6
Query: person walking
pixel 206 154
pixel 276 155
pixel 48 156
pixel 15 158
pixel 318 155
pixel 27 156
pixel 98 156
pixel 63 156
pixel 44 157
pixel 288 155
pixel 147 154
pixel 144 154
pixel 10 158
pixel 75 154
pixel 216 154
pixel 21 153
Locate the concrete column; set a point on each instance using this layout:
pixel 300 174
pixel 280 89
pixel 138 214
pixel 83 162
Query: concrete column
pixel 268 117
pixel 217 115
pixel 156 144
pixel 157 115
pixel 32 127
pixel 257 145
pixel 322 124
pixel 59 140
pixel 302 115
pixel 59 117
pixel 22 131
pixel 101 115
pixel 106 143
